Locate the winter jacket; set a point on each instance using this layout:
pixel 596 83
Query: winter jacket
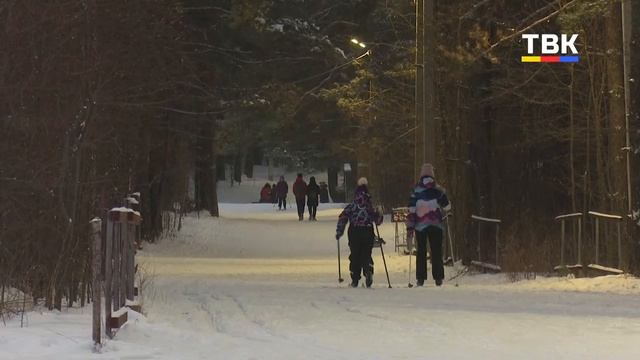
pixel 265 194
pixel 313 191
pixel 282 189
pixel 299 189
pixel 427 204
pixel 359 213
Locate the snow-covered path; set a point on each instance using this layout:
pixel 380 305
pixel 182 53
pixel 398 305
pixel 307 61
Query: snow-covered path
pixel 257 284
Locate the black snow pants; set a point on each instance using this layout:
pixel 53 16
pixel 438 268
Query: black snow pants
pixel 313 209
pixel 282 202
pixel 360 244
pixel 434 235
pixel 300 204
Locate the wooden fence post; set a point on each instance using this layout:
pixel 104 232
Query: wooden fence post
pixel 96 283
pixel 124 240
pixel 562 244
pixel 479 240
pixel 108 274
pixel 131 269
pixel 497 243
pixel 115 280
pixel 619 246
pixel 597 242
pixel 580 241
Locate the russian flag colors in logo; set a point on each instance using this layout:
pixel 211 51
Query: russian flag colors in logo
pixel 554 48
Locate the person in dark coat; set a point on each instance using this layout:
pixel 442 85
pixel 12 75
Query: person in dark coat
pixel 313 191
pixel 274 195
pixel 324 192
pixel 282 189
pixel 427 206
pixel 300 192
pixel 265 193
pixel 361 217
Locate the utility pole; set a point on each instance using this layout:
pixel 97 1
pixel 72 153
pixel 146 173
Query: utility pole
pixel 419 124
pixel 626 50
pixel 429 129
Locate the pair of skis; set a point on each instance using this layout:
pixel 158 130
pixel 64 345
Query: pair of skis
pixel 377 242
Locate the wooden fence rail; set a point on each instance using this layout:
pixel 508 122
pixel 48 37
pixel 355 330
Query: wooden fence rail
pixel 575 217
pixel 595 267
pixel 481 262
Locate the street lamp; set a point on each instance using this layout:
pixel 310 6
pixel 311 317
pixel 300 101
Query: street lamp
pixel 358 42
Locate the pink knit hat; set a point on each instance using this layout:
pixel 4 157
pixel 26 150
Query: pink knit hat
pixel 427 170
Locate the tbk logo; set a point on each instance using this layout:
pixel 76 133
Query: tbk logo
pixel 554 48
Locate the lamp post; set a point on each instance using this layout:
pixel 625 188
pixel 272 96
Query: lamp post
pixel 626 46
pixel 366 164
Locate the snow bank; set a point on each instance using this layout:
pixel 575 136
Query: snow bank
pixel 612 284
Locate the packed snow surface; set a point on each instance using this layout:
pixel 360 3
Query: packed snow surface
pixel 258 284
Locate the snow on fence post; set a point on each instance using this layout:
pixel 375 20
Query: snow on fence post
pixel 96 283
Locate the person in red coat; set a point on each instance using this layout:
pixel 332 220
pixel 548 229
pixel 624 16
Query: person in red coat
pixel 265 193
pixel 300 192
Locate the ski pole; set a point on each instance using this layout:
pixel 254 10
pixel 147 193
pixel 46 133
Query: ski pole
pixel 340 279
pixel 453 257
pixel 382 252
pixel 410 255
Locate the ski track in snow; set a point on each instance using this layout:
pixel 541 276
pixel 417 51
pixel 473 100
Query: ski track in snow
pixel 258 284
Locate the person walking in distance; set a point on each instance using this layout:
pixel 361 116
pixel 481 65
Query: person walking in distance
pixel 324 192
pixel 427 205
pixel 282 189
pixel 361 217
pixel 274 196
pixel 313 192
pixel 300 192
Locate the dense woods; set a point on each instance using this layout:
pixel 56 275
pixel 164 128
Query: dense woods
pixel 101 98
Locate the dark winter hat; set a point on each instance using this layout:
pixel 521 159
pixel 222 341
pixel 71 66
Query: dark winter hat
pixel 299 175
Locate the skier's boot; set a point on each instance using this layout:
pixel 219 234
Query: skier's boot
pixel 354 284
pixel 420 282
pixel 369 279
pixel 439 282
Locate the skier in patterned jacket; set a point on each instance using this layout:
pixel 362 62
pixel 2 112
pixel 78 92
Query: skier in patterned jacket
pixel 427 205
pixel 361 216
